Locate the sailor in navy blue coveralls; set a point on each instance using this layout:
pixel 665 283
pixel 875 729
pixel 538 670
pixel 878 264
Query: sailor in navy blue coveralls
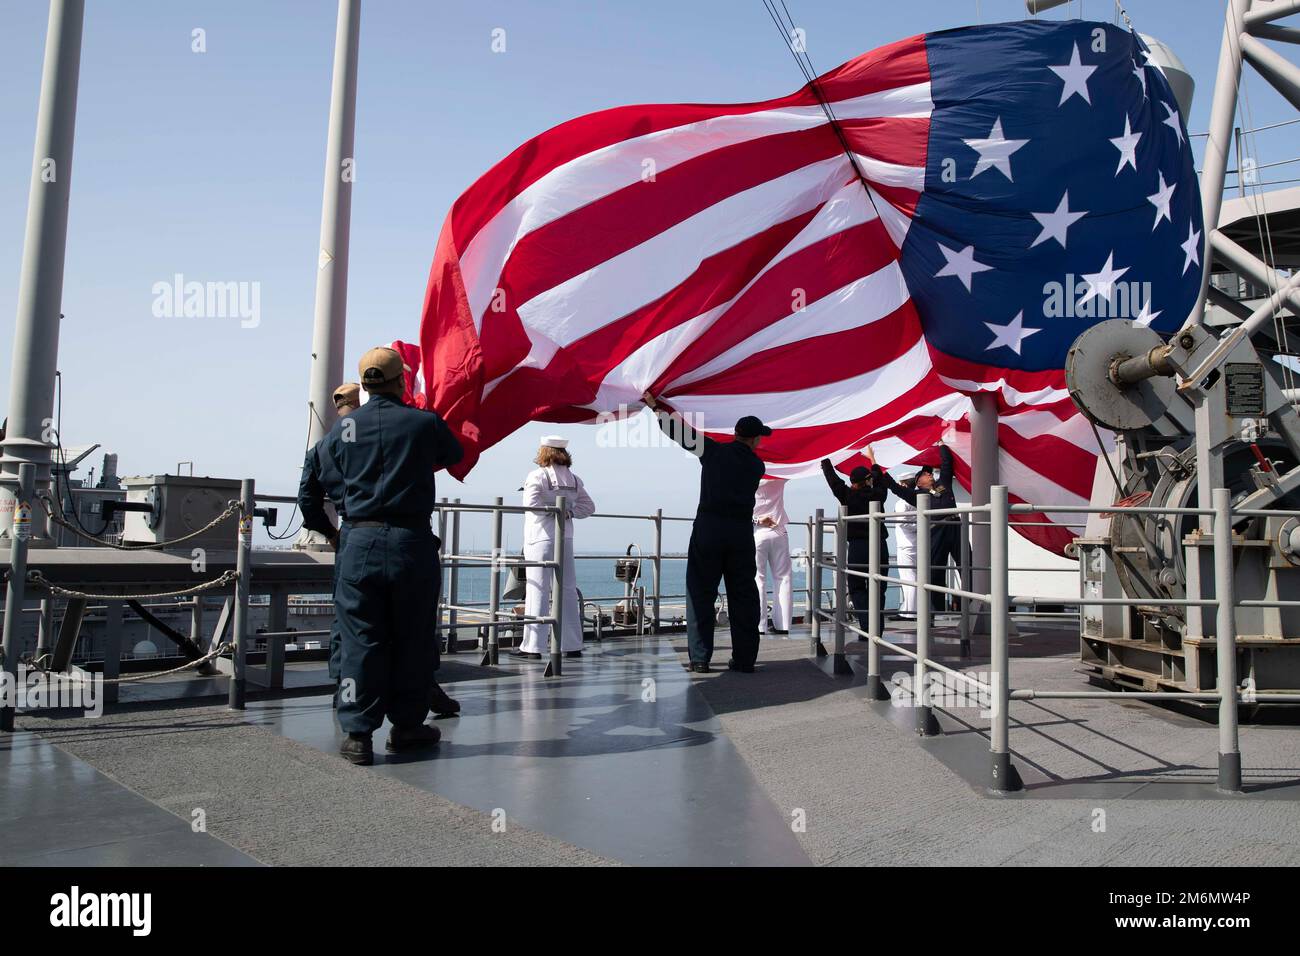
pixel 722 538
pixel 388 572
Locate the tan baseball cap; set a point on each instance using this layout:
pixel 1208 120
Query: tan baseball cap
pixel 349 393
pixel 380 367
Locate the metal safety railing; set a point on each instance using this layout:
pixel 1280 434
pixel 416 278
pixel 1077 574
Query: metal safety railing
pixel 646 610
pixel 997 688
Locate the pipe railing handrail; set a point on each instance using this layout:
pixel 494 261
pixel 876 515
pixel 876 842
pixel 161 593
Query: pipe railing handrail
pixel 1107 509
pixel 1000 602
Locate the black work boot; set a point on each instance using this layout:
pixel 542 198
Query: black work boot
pixel 357 749
pixel 419 737
pixel 441 704
pixel 735 665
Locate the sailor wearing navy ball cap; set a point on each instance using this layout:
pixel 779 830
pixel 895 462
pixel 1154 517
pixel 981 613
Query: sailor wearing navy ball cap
pixel 722 538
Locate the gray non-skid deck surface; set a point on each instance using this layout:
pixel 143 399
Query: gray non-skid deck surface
pixel 277 800
pixel 620 755
pixel 56 810
pixel 874 793
pixel 789 765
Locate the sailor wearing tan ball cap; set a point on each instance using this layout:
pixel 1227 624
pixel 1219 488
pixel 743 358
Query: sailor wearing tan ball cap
pixel 388 569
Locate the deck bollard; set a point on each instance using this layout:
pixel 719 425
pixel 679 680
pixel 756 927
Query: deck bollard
pixel 243 576
pixel 876 613
pixel 815 545
pixel 556 667
pixel 15 592
pixel 840 664
pixel 926 725
pixel 453 596
pixel 1225 643
pixel 492 649
pixel 1003 776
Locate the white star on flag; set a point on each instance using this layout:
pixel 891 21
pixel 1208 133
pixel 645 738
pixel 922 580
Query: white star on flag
pixel 1011 335
pixel 1191 248
pixel 1127 146
pixel 995 151
pixel 1102 283
pixel 1146 316
pixel 1074 76
pixel 1056 223
pixel 1173 121
pixel 1160 199
pixel 961 264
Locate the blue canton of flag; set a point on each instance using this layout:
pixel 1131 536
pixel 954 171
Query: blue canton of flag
pixel 1060 191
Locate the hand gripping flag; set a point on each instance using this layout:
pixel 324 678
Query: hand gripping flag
pixel 1010 186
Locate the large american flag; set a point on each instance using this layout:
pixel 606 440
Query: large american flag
pixel 1006 182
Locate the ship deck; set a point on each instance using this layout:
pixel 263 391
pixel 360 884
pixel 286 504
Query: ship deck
pixel 628 759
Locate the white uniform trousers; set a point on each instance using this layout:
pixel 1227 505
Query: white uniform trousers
pixel 537 600
pixel 772 551
pixel 905 558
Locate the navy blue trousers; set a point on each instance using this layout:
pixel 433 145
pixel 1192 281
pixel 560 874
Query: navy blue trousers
pixel 385 606
pixel 722 550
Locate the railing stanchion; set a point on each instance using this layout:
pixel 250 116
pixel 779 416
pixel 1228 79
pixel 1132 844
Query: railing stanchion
pixel 1225 642
pixel 839 665
pixel 815 647
pixel 556 667
pixel 808 577
pixel 492 653
pixel 1002 774
pixel 443 597
pixel 454 593
pixel 967 581
pixel 926 725
pixel 658 569
pixel 243 576
pixel 876 613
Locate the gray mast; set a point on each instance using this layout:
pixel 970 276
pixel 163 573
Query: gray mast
pixel 40 286
pixel 335 226
pixel 330 327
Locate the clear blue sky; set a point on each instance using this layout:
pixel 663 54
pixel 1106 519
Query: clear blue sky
pixel 210 165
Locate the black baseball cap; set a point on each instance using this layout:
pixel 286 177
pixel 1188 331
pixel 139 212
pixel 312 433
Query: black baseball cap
pixel 859 474
pixel 751 427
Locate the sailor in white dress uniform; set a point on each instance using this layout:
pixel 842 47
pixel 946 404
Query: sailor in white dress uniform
pixel 772 552
pixel 905 556
pixel 542 486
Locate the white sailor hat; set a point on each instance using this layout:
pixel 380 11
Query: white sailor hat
pixel 554 441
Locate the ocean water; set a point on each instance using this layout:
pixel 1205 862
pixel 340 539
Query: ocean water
pixel 596 581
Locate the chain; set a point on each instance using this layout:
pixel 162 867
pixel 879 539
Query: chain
pixel 232 508
pixel 130 678
pixel 39 579
pixel 1119 8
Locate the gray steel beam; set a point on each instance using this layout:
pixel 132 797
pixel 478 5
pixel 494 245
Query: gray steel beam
pixel 1230 305
pixel 1219 141
pixel 1266 13
pixel 1273 66
pixel 40 284
pixel 69 632
pixel 1245 263
pixel 1270 31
